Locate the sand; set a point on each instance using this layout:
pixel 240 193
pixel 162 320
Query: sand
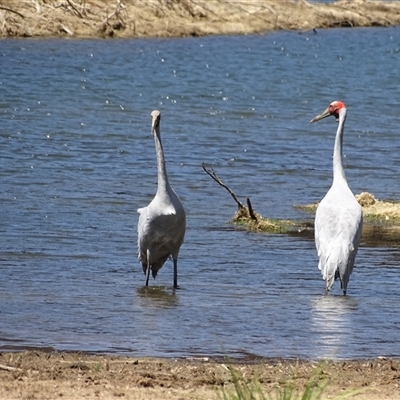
pixel 50 375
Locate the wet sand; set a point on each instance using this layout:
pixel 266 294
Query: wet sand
pixel 50 375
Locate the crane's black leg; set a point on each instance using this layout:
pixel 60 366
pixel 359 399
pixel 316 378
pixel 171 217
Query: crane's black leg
pixel 147 274
pixel 148 268
pixel 175 273
pixel 342 285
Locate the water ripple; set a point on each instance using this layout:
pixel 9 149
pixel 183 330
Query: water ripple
pixel 78 159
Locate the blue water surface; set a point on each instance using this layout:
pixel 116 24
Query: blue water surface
pixel 78 159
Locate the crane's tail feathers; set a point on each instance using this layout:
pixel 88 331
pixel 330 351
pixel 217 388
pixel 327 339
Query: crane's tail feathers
pixel 155 266
pixel 144 267
pixel 337 276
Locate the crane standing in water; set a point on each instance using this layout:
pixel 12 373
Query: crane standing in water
pixel 338 221
pixel 162 224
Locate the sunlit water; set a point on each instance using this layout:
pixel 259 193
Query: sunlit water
pixel 77 160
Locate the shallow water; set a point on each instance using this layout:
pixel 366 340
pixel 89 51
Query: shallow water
pixel 77 160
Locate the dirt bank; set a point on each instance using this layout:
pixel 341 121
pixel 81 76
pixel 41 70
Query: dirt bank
pixel 39 375
pixel 176 18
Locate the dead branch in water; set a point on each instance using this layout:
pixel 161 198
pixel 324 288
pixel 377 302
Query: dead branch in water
pixel 243 211
pixel 251 212
pixel 213 175
pixel 253 221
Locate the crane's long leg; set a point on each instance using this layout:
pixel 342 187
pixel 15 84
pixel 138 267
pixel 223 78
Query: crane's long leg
pixel 342 284
pixel 148 268
pixel 175 273
pixel 147 274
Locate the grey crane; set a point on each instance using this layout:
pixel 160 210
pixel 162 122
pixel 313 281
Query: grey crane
pixel 162 224
pixel 338 221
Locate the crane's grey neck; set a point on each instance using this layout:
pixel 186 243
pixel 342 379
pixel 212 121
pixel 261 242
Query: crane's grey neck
pixel 338 170
pixel 163 184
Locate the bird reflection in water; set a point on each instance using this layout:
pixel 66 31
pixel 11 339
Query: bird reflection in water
pixel 332 324
pixel 157 296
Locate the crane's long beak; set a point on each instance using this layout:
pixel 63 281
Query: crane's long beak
pixel 153 126
pixel 324 114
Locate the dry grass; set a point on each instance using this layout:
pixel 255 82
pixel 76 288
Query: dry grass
pixel 261 224
pixel 388 211
pixel 176 18
pixel 373 209
pixel 381 220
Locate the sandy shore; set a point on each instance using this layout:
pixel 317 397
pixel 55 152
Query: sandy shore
pixel 49 375
pixel 177 18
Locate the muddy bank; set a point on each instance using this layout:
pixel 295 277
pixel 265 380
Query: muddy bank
pixel 177 18
pixel 41 375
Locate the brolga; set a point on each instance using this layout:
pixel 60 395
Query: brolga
pixel 338 221
pixel 162 224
